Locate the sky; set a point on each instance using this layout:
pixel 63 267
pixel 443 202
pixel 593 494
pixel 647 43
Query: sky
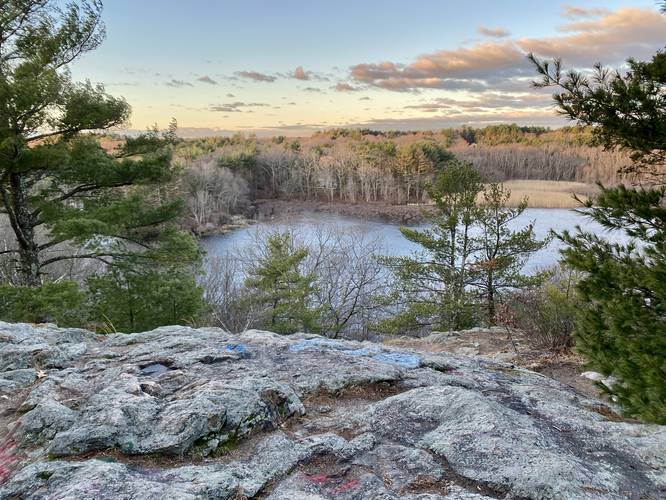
pixel 293 66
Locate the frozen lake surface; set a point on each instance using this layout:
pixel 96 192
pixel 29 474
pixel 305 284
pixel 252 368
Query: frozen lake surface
pixel 307 224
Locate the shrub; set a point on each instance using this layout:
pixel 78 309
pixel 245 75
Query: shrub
pixel 63 303
pixel 129 301
pixel 547 313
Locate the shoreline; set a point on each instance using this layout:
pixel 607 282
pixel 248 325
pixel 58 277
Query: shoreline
pixel 401 214
pixel 267 209
pixel 539 194
pixel 546 195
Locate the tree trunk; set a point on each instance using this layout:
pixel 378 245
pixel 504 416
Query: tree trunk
pixel 29 266
pixel 23 224
pixel 491 300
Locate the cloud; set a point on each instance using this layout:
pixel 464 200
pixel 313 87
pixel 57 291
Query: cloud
pixel 486 102
pixel 236 107
pixel 250 104
pixel 221 108
pixel 627 32
pixel 345 87
pixel 312 89
pixel 364 98
pixel 178 83
pixel 121 84
pixel 301 74
pixel 443 68
pixel 207 79
pixel 572 12
pixel 230 96
pixel 611 38
pixel 493 32
pixel 256 76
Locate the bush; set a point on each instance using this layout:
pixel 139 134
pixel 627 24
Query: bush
pixel 129 301
pixel 341 265
pixel 547 313
pixel 143 291
pixel 63 303
pixel 226 295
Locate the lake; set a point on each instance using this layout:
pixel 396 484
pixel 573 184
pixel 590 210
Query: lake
pixel 545 220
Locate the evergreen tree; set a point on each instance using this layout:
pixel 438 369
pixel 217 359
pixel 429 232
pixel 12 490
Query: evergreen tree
pixel 142 291
pixel 627 110
pixel 503 251
pixel 58 187
pixel 469 253
pixel 622 331
pixel 433 284
pixel 63 303
pixel 277 283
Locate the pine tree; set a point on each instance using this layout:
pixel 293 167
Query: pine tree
pixel 433 284
pixel 470 253
pixel 57 184
pixel 627 110
pixel 503 251
pixel 277 283
pixel 622 331
pixel 58 187
pixel 142 291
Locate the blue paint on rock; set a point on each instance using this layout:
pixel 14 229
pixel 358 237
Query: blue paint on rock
pixel 317 343
pixel 405 360
pixel 408 361
pixel 239 349
pixel 363 351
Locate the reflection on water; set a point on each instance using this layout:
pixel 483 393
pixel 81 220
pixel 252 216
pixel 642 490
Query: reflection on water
pixel 545 220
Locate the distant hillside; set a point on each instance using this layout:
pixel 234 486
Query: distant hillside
pixel 223 176
pixel 500 152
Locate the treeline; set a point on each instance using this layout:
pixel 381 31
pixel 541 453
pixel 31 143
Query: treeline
pixel 223 175
pixel 550 162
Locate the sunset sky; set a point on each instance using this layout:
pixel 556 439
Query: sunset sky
pixel 293 66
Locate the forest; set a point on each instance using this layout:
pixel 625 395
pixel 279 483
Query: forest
pixel 223 176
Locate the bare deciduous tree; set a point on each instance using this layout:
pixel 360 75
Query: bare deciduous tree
pixel 213 192
pixel 347 279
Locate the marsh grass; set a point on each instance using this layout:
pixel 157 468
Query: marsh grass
pixel 548 194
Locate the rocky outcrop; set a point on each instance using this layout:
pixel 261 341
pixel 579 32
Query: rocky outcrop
pixel 184 413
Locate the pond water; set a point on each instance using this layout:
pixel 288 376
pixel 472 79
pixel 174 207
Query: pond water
pixel 307 224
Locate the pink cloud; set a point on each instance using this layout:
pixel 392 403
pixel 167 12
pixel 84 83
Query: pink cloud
pixel 611 38
pixel 493 32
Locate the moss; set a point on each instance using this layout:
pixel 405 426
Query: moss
pixel 44 475
pixel 128 447
pixel 224 448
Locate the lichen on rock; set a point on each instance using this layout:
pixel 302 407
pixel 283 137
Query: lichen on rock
pixel 186 413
